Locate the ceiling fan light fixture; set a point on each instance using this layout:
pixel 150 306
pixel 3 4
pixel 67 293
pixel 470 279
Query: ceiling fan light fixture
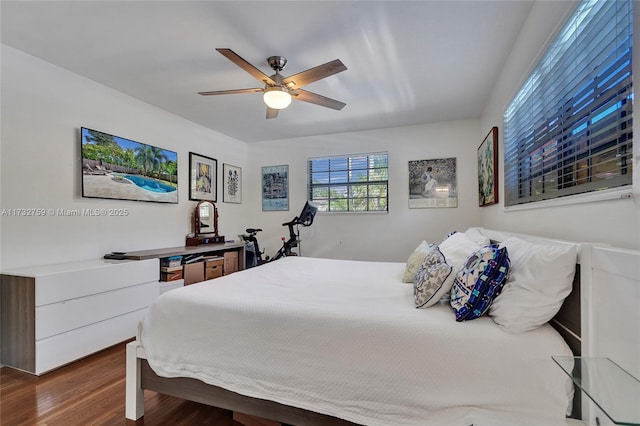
pixel 277 97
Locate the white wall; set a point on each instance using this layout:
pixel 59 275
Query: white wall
pixel 617 221
pixel 43 107
pixel 383 237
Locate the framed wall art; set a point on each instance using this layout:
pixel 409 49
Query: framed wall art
pixel 203 173
pixel 232 184
pixel 275 188
pixel 123 169
pixel 432 183
pixel 488 169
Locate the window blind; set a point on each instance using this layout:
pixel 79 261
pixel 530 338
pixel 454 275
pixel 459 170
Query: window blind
pixel 350 183
pixel 569 128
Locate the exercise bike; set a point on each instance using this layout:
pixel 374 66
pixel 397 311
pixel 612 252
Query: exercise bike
pixel 253 252
pixel 305 219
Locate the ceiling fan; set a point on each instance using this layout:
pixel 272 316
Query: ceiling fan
pixel 279 90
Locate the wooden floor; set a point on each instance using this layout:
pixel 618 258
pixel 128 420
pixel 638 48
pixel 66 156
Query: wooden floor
pixel 92 392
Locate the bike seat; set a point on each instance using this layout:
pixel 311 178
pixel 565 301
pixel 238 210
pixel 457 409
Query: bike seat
pixel 252 230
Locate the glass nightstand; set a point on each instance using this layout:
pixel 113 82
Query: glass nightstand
pixel 609 386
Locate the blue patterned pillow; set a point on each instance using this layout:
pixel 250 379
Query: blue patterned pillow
pixel 433 279
pixel 479 281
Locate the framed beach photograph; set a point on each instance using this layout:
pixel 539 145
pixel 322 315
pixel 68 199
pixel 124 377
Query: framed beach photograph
pixel 123 169
pixel 232 184
pixel 432 183
pixel 202 178
pixel 488 169
pixel 275 188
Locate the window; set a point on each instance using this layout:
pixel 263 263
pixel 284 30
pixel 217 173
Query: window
pixel 569 129
pixel 350 183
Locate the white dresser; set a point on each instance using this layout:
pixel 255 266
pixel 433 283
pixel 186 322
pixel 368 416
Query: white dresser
pixel 55 314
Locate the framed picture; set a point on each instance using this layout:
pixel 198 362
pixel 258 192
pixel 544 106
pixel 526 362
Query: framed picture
pixel 123 169
pixel 432 183
pixel 202 178
pixel 275 188
pixel 488 169
pixel 232 184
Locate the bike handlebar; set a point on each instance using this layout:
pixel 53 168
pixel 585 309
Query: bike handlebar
pixel 295 221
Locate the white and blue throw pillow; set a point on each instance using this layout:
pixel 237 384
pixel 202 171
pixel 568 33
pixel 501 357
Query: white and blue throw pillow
pixel 433 279
pixel 479 281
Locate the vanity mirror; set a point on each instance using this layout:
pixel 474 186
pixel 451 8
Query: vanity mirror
pixel 205 224
pixel 206 215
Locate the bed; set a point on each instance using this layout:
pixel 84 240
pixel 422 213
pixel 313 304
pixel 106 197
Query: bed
pixel 318 342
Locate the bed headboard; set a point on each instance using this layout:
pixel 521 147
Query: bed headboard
pixel 568 323
pixel 568 320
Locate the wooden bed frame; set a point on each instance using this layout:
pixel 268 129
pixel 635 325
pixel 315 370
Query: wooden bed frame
pixel 140 376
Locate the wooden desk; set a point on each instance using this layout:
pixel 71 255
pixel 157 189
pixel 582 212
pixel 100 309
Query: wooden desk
pixel 190 250
pixel 203 249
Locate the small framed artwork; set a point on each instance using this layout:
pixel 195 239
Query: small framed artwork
pixel 488 169
pixel 432 183
pixel 232 183
pixel 275 188
pixel 202 178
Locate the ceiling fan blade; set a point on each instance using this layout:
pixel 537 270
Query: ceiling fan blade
pixel 255 72
pixel 314 98
pixel 272 113
pixel 314 74
pixel 231 92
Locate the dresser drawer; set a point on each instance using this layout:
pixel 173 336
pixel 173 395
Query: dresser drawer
pixel 66 285
pixel 70 314
pixel 67 347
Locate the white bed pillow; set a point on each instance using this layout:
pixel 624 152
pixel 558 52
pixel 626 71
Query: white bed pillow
pixel 414 262
pixel 476 236
pixel 540 279
pixel 456 248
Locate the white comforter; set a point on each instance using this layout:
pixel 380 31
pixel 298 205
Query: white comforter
pixel 343 338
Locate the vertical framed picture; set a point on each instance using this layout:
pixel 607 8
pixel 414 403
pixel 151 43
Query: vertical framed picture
pixel 232 184
pixel 203 173
pixel 488 169
pixel 432 183
pixel 275 188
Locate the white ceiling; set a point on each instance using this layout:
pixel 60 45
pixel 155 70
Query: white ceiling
pixel 409 62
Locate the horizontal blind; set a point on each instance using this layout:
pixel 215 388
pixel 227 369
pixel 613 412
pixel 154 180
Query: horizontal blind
pixel 349 183
pixel 569 128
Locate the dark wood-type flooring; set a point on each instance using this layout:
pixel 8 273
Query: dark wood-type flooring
pixel 92 392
